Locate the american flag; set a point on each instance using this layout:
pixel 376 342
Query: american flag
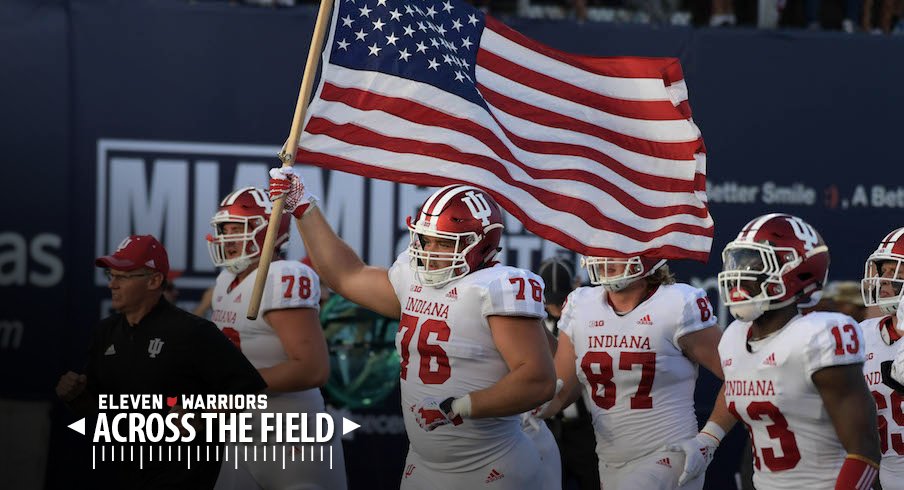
pixel 599 155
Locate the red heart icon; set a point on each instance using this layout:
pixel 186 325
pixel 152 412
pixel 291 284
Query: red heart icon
pixel 171 400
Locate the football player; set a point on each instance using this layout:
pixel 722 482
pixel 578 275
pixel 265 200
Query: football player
pixel 285 343
pixel 881 286
pixel 631 344
pixel 795 381
pixel 473 351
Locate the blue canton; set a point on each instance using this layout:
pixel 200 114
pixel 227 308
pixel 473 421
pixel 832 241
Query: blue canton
pixel 430 41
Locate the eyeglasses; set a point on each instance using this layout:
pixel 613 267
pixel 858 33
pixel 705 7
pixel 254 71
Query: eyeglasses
pixel 119 277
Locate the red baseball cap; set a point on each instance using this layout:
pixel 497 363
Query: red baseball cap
pixel 136 252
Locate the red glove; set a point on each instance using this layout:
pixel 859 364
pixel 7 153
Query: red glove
pixel 284 182
pixel 857 473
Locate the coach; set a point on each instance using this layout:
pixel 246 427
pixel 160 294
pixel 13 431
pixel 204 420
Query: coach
pixel 152 347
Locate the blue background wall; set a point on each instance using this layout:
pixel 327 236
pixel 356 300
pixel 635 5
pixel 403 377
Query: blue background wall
pixel 89 86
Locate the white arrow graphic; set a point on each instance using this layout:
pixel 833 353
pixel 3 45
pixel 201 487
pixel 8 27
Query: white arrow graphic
pixel 78 426
pixel 347 426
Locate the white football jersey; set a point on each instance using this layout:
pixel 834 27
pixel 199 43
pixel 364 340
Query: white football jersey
pixel 637 383
pixel 447 349
pixel 290 284
pixel 771 391
pixel 881 347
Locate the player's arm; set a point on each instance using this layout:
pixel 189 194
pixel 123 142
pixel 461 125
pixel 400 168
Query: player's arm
pixel 531 379
pixel 335 261
pixel 853 412
pixel 204 305
pixel 565 371
pixel 301 336
pixel 343 270
pixel 702 347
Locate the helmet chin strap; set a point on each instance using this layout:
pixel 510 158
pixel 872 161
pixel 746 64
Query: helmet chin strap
pixel 238 265
pixel 748 312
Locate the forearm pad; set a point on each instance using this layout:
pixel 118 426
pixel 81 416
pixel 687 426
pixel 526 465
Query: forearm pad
pixel 857 473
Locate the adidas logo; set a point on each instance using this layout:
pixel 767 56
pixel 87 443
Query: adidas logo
pixel 110 350
pixel 494 475
pixel 453 294
pixel 646 320
pixel 770 361
pixel 238 299
pixel 665 462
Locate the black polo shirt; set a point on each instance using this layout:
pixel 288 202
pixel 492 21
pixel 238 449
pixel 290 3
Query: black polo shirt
pixel 169 352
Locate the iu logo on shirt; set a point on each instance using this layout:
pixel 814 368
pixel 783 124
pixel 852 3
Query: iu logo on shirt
pixel 154 347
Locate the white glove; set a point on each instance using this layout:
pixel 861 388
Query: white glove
pixel 431 413
pixel 534 418
pixel 897 367
pixel 540 412
pixel 284 182
pixel 698 452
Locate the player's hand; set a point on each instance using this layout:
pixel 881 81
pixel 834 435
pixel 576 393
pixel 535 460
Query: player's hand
pixel 430 413
pixel 540 412
pixel 698 454
pixel 284 182
pixel 71 386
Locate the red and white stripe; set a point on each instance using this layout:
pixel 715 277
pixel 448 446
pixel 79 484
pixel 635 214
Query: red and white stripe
pixel 599 155
pixel 866 479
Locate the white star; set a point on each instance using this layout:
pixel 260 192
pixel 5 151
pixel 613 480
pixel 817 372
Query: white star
pixel 360 35
pixel 347 21
pixel 421 26
pixel 453 47
pixel 466 43
pixel 431 12
pixel 456 24
pixel 447 59
pixel 391 39
pixel 409 31
pixel 464 64
pixel 403 55
pixel 396 15
pixel 374 50
pixel 447 6
pixel 434 42
pixel 365 12
pixel 378 24
pixel 472 19
pixel 421 47
pixel 381 2
pixel 343 44
pixel 441 30
pixel 409 10
pixel 459 76
pixel 433 64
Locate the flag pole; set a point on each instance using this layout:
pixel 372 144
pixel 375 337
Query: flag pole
pixel 287 155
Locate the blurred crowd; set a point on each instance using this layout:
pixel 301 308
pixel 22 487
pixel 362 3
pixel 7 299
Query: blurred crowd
pixel 868 16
